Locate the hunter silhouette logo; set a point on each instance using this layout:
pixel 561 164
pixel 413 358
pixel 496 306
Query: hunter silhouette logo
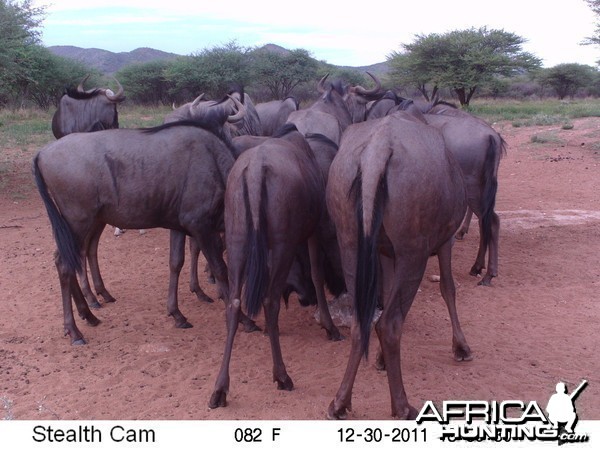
pixel 509 420
pixel 561 410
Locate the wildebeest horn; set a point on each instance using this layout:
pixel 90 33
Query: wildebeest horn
pixel 241 110
pixel 197 100
pixel 80 86
pixel 361 90
pixel 321 85
pixel 115 97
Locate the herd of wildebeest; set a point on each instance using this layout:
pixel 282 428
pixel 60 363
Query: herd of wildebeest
pixel 353 193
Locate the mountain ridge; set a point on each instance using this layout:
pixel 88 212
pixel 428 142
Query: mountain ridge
pixel 109 62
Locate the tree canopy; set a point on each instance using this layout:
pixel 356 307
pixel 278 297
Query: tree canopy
pixel 461 60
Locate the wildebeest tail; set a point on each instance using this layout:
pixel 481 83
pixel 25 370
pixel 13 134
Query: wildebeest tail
pixel 490 187
pixel 68 248
pixel 367 284
pixel 257 270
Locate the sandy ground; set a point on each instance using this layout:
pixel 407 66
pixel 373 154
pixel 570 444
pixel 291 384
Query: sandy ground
pixel 538 324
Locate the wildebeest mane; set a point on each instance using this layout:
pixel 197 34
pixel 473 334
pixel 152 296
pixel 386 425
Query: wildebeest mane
pixel 79 95
pixel 213 122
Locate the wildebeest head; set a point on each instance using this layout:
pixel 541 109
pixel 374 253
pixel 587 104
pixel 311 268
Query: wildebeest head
pixel 248 123
pixel 81 111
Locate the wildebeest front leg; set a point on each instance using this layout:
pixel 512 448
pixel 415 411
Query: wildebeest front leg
pixel 316 270
pixel 176 259
pixel 460 348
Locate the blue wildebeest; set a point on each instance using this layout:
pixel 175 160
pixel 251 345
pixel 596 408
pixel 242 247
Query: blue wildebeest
pixel 338 106
pixel 274 202
pixel 273 115
pixel 396 196
pixel 83 111
pixel 172 176
pixel 478 149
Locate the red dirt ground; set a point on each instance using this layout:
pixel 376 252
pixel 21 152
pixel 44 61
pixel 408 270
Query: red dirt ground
pixel 538 324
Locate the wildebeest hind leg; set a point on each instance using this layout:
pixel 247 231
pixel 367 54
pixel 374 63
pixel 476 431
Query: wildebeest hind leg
pixel 194 282
pixel 176 259
pixel 460 348
pixel 66 279
pixel 317 270
pixel 81 304
pixel 389 330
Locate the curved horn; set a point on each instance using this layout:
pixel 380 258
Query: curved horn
pixel 115 97
pixel 241 110
pixel 197 100
pixel 80 86
pixel 321 85
pixel 362 91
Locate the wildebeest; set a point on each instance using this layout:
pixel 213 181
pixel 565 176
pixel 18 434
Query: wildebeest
pixel 83 111
pixel 273 115
pixel 249 124
pixel 478 149
pixel 338 106
pixel 396 196
pixel 172 176
pixel 274 202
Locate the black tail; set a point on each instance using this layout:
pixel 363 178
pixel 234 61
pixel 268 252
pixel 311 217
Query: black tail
pixel 490 188
pixel 68 248
pixel 257 271
pixel 367 284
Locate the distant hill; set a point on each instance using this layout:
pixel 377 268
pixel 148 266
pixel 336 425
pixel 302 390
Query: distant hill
pixel 110 62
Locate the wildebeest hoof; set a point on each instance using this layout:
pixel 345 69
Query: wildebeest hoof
pixel 92 320
pixel 463 354
pixel 218 399
pixel 409 413
pixel 204 298
pixel 475 271
pixel 250 326
pixel 184 324
pixel 334 335
pixel 95 305
pixel 80 341
pixel 285 385
pixel 485 281
pixel 334 413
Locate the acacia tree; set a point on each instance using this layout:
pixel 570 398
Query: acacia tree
pixel 19 30
pixel 567 79
pixel 461 60
pixel 282 72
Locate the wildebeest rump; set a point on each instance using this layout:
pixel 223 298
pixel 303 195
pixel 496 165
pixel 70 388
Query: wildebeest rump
pixel 396 196
pixel 171 177
pixel 82 111
pixel 274 202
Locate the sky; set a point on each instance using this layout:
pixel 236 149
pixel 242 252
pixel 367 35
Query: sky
pixel 340 33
